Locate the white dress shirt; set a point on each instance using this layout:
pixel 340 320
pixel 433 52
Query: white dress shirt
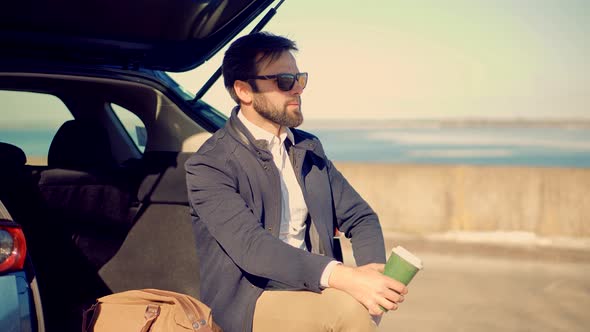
pixel 294 210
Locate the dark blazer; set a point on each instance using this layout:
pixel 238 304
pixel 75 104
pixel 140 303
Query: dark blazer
pixel 235 198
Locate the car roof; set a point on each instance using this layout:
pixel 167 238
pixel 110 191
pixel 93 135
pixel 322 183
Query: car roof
pixel 156 34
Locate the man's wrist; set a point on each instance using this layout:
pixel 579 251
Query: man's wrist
pixel 340 276
pixel 325 278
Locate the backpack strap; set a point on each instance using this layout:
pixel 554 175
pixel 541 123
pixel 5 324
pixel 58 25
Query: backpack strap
pixel 88 326
pixel 152 311
pixel 198 322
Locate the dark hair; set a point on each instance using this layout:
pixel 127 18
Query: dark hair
pixel 241 58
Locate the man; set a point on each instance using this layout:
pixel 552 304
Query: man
pixel 265 201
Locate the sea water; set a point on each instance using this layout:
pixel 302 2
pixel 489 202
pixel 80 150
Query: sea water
pixel 564 147
pixel 525 146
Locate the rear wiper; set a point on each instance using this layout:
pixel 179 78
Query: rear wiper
pixel 217 74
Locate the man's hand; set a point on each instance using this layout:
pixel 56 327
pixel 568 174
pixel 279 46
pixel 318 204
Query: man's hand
pixel 368 285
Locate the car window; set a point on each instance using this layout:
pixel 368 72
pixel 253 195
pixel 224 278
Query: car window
pixel 133 126
pixel 30 121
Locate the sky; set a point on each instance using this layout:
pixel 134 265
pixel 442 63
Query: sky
pixel 424 59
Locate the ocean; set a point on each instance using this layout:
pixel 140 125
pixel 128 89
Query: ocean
pixel 515 146
pixel 488 145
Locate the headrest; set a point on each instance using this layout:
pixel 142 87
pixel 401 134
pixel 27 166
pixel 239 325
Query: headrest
pixel 11 156
pixel 81 146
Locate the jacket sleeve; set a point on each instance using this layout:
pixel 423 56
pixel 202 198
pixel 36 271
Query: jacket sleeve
pixel 214 198
pixel 356 220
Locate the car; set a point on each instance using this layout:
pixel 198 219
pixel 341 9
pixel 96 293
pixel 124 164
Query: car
pixel 17 287
pixel 94 137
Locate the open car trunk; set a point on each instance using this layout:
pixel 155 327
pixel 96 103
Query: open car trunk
pixel 156 34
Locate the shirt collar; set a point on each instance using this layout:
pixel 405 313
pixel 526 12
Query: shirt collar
pixel 259 133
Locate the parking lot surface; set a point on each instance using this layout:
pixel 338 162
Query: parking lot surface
pixel 483 287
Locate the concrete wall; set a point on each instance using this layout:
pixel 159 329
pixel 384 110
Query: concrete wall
pixel 423 199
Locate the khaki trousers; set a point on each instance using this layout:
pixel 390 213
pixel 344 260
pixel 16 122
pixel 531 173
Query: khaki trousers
pixel 302 311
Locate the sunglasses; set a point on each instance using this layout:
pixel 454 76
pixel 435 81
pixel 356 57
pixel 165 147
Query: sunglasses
pixel 285 81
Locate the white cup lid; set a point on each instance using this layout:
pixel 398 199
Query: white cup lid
pixel 408 256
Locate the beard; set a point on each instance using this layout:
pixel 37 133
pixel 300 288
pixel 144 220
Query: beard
pixel 273 113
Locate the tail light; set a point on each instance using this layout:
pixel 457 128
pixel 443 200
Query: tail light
pixel 13 248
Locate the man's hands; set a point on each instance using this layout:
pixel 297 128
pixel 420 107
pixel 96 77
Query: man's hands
pixel 368 285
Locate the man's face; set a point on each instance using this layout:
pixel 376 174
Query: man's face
pixel 280 107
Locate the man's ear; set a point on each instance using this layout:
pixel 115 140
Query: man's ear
pixel 243 91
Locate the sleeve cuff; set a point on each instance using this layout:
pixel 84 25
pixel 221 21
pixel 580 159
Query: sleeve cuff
pixel 326 274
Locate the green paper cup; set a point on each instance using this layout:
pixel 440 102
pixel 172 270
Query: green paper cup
pixel 402 266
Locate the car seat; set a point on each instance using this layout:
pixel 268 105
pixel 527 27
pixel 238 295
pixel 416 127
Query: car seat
pixel 16 185
pixel 81 146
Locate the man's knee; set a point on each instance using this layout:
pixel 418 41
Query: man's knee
pixel 348 314
pixel 332 310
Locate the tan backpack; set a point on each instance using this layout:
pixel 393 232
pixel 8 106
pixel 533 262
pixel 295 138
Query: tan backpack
pixel 148 310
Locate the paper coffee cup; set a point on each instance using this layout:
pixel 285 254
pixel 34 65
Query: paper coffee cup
pixel 402 266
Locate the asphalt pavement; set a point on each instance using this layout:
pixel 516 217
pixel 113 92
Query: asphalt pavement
pixel 470 286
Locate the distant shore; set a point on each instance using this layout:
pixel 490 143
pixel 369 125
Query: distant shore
pixel 36 160
pixel 448 123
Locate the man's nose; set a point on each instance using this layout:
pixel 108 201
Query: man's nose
pixel 297 88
